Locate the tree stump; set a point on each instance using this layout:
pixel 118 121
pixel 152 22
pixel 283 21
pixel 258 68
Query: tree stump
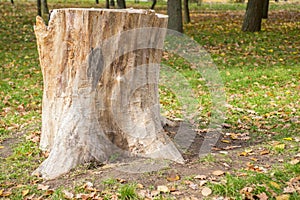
pixel 100 70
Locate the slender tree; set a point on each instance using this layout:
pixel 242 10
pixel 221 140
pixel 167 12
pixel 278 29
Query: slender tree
pixel 121 3
pixel 153 4
pixel 265 9
pixel 175 15
pixel 45 7
pixel 39 7
pixel 112 3
pixel 12 2
pixel 253 16
pixel 106 3
pixel 187 18
pixel 97 1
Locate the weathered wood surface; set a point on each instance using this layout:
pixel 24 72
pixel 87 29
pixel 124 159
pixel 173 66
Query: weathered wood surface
pixel 100 71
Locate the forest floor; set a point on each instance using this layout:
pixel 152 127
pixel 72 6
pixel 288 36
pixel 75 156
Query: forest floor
pixel 257 155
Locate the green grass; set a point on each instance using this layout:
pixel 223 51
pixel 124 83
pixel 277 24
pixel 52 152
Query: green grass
pixel 260 73
pixel 271 183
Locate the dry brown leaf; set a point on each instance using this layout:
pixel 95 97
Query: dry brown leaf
pixel 246 190
pixel 25 192
pixel 225 141
pixel 201 177
pixel 49 192
pixel 264 152
pixel 5 193
pixel 203 182
pixel 289 189
pixel 206 191
pixel 68 195
pixel 177 193
pixel 254 159
pixel 155 193
pixel 294 161
pixel 120 180
pixel 262 196
pixel 163 189
pixel 193 186
pixel 173 177
pixel 218 173
pixel 139 186
pixel 42 187
pixel 243 153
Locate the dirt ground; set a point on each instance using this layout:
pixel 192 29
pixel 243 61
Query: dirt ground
pixel 184 181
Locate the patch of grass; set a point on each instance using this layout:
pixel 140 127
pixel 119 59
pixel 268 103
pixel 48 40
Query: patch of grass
pixel 109 181
pixel 209 158
pixel 272 182
pixel 127 192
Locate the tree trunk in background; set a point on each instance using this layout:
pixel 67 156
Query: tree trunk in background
pixel 253 16
pixel 265 9
pixel 12 2
pixel 175 15
pixel 112 3
pixel 39 7
pixel 153 5
pixel 187 18
pixel 106 3
pixel 97 1
pixel 99 98
pixel 45 7
pixel 121 4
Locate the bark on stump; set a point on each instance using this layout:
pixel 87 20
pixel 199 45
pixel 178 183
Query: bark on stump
pixel 100 71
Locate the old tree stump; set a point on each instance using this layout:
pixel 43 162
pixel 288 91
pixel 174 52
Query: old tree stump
pixel 100 70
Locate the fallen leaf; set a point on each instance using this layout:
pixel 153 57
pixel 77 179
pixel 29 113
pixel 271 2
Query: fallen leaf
pixel 163 189
pixel 139 186
pixel 243 153
pixel 289 189
pixel 201 177
pixel 49 192
pixel 218 172
pixel 246 190
pixel 288 139
pixel 177 193
pixel 42 187
pixel 203 182
pixel 274 184
pixel 193 186
pixel 68 195
pixel 262 196
pixel 206 191
pixel 1 147
pixel 6 194
pixel 120 180
pixel 283 197
pixel 280 146
pixel 294 161
pixel 25 192
pixel 225 141
pixel 155 193
pixel 264 152
pixel 173 177
pixel 254 159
